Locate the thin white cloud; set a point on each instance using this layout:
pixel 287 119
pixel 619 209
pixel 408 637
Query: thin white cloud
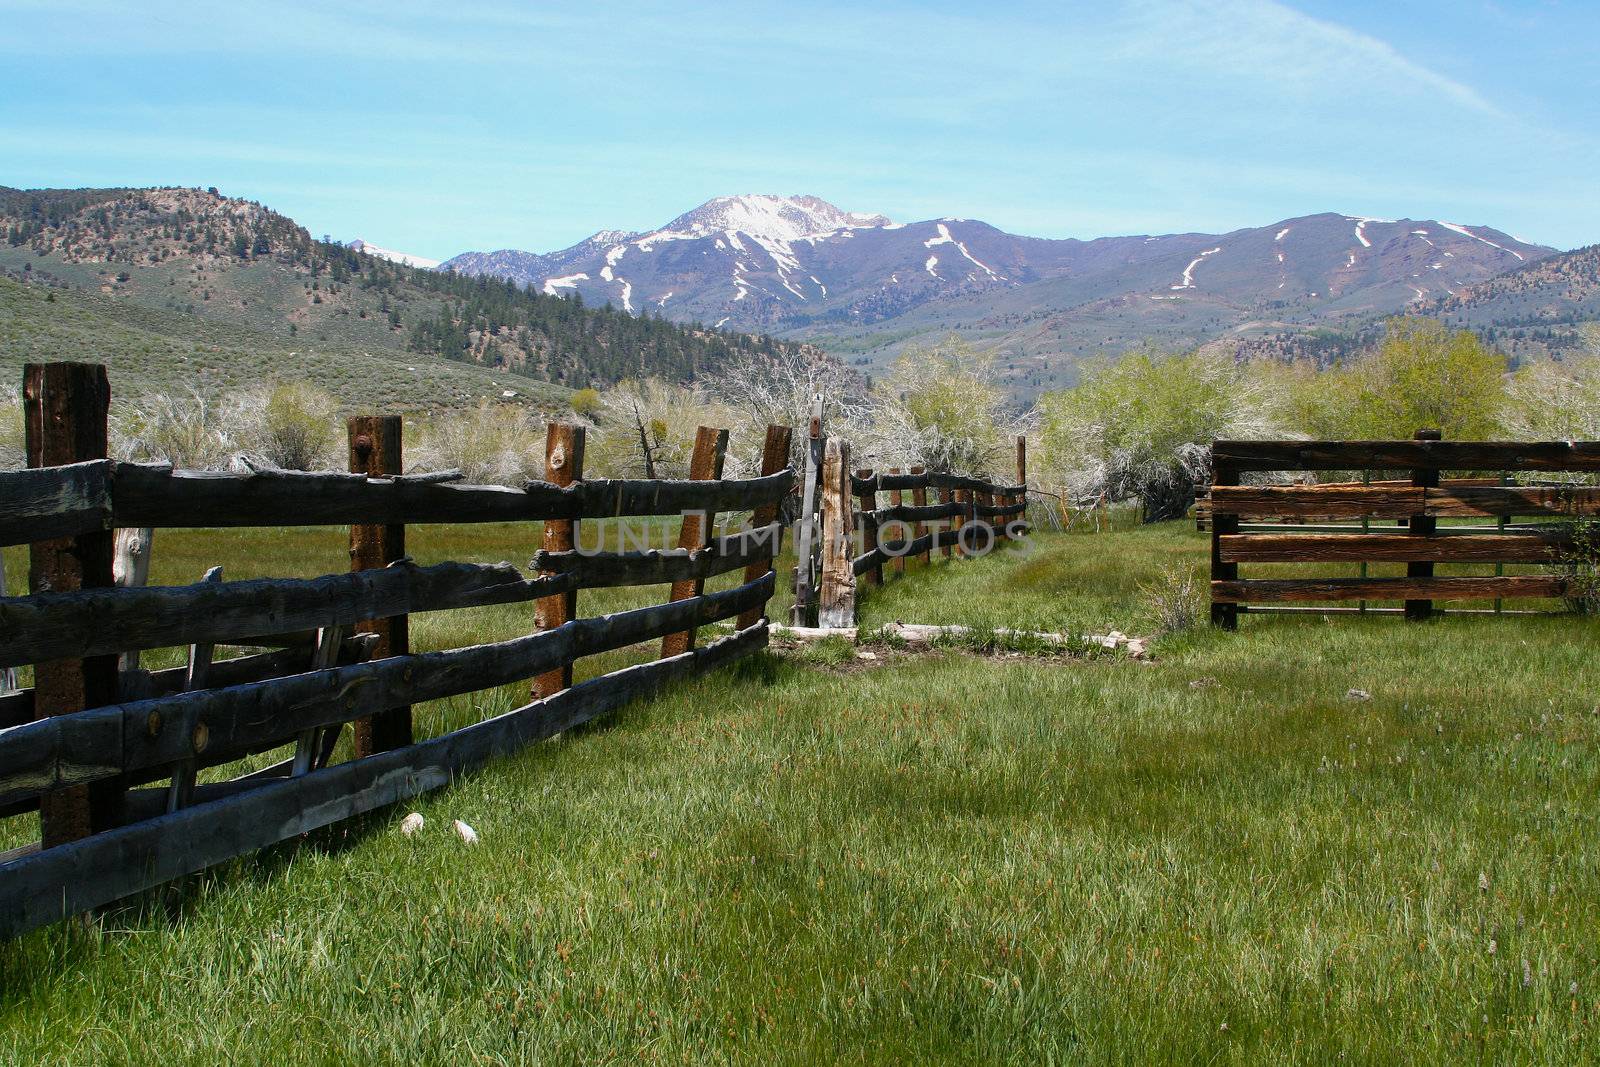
pixel 1269 39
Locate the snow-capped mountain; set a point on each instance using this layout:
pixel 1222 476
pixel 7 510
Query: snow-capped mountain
pixel 798 266
pixel 403 258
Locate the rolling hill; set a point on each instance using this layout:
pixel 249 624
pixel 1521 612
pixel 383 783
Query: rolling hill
pixel 182 263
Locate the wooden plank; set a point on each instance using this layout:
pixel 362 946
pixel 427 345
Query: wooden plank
pixel 65 407
pixel 94 622
pixel 1399 547
pixel 1282 591
pixel 215 724
pixel 375 452
pixel 917 512
pixel 837 598
pixel 694 534
pixel 948 537
pixel 563 468
pixel 1334 502
pixel 1402 455
pixel 1422 525
pixel 986 510
pixel 595 570
pixel 807 525
pixel 64 500
pixel 1022 476
pixel 17 708
pixel 774 457
pixel 54 883
pixel 157 496
pixel 919 504
pixel 1223 614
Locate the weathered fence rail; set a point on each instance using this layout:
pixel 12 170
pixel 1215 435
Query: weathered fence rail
pixel 78 744
pixel 1334 522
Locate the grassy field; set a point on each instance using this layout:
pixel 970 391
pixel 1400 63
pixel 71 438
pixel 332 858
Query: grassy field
pixel 1216 857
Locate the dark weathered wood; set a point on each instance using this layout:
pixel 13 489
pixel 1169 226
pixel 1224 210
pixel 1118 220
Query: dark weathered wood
pixel 1022 477
pixel 837 598
pixel 808 525
pixel 996 511
pixel 694 534
pixel 1223 614
pixel 897 563
pixel 1403 455
pixel 93 622
pixel 17 708
pixel 228 722
pixel 157 496
pixel 946 545
pixel 1280 591
pixel 917 512
pixel 594 570
pixel 49 885
pixel 563 467
pixel 1400 547
pixel 1422 525
pixel 865 485
pixel 375 451
pixel 58 501
pixel 65 406
pixel 919 501
pixel 774 458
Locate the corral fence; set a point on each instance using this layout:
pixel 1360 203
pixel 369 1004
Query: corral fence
pixel 1389 521
pixel 113 757
pixel 847 536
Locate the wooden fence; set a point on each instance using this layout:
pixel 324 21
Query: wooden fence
pixel 87 743
pixel 1341 522
pixel 846 536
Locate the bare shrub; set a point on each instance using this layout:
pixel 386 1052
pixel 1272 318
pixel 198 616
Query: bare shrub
pixel 1174 598
pixel 185 429
pixel 1580 565
pixel 13 442
pixel 492 444
pixel 293 426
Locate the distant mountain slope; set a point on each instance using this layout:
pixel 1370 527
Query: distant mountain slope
pixel 1536 307
pixel 236 263
pixel 862 285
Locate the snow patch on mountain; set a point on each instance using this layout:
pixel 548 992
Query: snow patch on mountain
pixel 405 259
pixel 943 238
pixel 569 282
pixel 1463 231
pixel 1188 272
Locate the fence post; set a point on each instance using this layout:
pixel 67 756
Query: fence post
pixel 806 526
pixel 563 465
pixel 374 442
pixel 1022 477
pixel 837 601
pixel 774 458
pixel 948 496
pixel 1225 615
pixel 919 498
pixel 1422 526
pixel 65 407
pixel 705 465
pixel 896 498
pixel 869 526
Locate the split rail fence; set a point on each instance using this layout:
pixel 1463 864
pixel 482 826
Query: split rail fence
pixel 111 756
pixel 1344 522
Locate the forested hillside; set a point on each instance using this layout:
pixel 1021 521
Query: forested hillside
pixel 234 262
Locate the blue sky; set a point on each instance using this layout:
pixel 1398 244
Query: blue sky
pixel 437 128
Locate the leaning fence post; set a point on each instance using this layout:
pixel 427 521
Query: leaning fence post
pixel 705 465
pixel 563 465
pixel 774 458
pixel 806 524
pixel 1223 614
pixel 1422 526
pixel 65 407
pixel 919 498
pixel 375 452
pixel 837 600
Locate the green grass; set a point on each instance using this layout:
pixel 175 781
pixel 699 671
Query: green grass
pixel 936 857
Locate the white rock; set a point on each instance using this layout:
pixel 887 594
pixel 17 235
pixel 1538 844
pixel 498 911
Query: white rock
pixel 1358 694
pixel 411 823
pixel 465 832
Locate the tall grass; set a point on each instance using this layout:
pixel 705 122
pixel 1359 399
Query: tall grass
pixel 921 858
